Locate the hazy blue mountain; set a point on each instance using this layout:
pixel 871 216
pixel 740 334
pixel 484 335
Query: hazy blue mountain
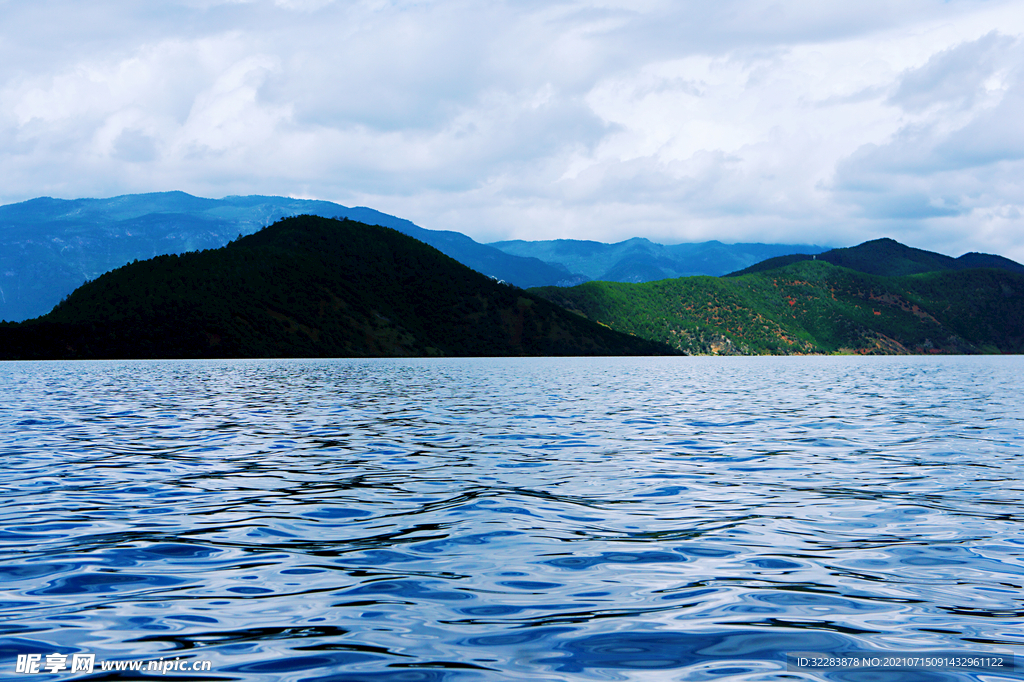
pixel 48 247
pixel 641 260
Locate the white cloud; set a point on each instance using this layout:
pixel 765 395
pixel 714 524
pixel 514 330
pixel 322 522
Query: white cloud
pixel 749 120
pixel 956 77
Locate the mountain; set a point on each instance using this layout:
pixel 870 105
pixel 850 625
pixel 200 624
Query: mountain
pixel 813 306
pixel 48 247
pixel 308 287
pixel 640 260
pixel 889 258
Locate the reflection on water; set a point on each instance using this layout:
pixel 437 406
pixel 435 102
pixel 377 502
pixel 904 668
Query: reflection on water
pixel 541 519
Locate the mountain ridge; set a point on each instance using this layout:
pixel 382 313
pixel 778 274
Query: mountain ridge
pixel 48 246
pixel 890 258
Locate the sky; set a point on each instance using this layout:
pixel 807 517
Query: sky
pixel 797 121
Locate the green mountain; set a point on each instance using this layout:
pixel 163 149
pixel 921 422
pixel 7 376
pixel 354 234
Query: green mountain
pixel 640 260
pixel 308 287
pixel 889 258
pixel 48 247
pixel 813 306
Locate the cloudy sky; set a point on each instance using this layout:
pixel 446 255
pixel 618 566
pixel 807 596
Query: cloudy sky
pixel 820 121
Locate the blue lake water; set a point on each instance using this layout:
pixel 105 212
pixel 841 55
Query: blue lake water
pixel 521 519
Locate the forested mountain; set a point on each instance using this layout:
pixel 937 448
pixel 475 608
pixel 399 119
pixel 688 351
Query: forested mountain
pixel 48 247
pixel 640 260
pixel 889 258
pixel 308 287
pixel 813 306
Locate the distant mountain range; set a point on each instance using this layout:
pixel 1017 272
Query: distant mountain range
pixel 48 247
pixel 308 287
pixel 640 260
pixel 880 297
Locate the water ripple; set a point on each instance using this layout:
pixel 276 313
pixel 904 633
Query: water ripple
pixel 542 519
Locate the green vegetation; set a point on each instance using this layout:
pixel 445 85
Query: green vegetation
pixel 308 287
pixel 812 306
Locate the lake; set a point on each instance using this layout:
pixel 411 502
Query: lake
pixel 513 519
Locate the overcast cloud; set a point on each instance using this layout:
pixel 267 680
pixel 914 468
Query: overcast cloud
pixel 738 120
